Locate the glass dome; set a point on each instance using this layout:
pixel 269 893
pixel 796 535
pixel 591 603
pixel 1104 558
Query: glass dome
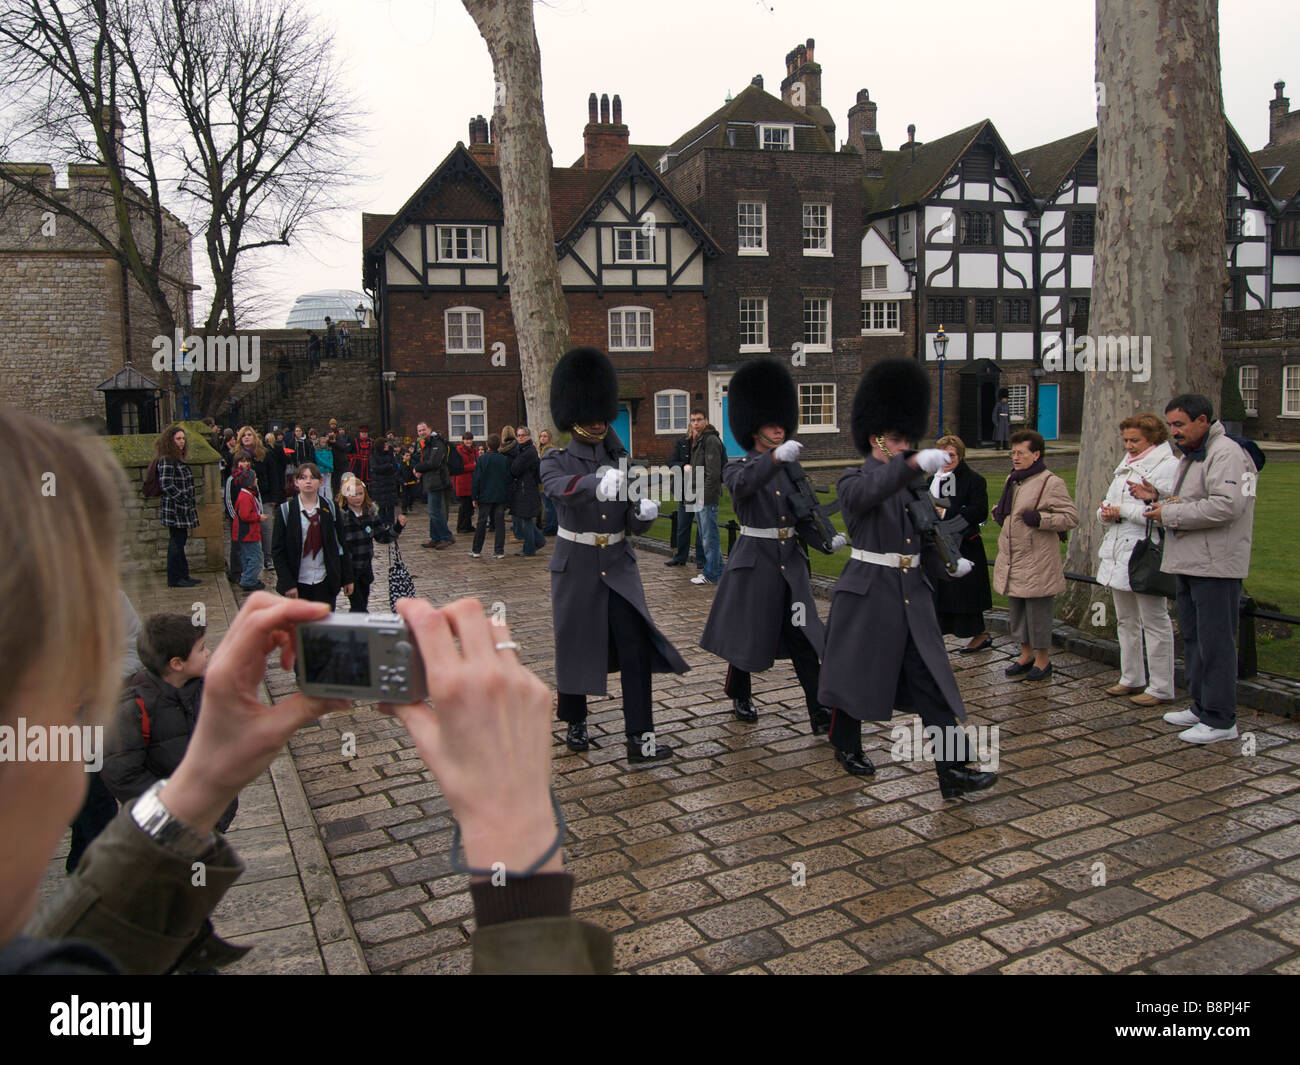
pixel 309 310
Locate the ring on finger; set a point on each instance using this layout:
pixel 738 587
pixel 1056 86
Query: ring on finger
pixel 507 645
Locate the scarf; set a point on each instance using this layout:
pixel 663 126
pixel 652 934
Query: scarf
pixel 1197 453
pixel 314 542
pixel 936 485
pixel 1003 510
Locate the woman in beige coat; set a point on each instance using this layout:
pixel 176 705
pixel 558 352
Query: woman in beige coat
pixel 1035 507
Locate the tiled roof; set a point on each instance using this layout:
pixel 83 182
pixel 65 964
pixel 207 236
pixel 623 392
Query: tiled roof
pixel 1046 166
pixel 909 180
pixel 752 106
pixel 1285 185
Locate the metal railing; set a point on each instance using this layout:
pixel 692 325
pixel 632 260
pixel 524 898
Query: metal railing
pixel 1280 323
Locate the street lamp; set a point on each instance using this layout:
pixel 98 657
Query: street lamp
pixel 940 350
pixel 360 312
pixel 185 378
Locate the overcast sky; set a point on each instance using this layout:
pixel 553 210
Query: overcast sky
pixel 420 70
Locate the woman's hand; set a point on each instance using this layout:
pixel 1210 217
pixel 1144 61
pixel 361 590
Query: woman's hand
pixel 1109 513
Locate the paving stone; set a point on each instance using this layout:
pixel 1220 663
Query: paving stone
pixel 1230 955
pixel 1053 962
pixel 1004 865
pixel 1109 904
pixel 903 865
pixel 1261 891
pixel 966 956
pixel 1075 843
pixel 878 905
pixel 734 918
pixel 1032 932
pixel 1171 883
pixel 1202 914
pixel 1284 843
pixel 674 898
pixel 955 882
pixel 1229 861
pixel 892 939
pixel 1127 944
pixel 1286 926
pixel 826 958
pixel 820 891
pixel 973 846
pixel 964 915
pixel 672 967
pixel 908 967
pixel 804 930
pixel 748 827
pixel 678 869
pixel 1023 894
pixel 650 942
pixel 389 926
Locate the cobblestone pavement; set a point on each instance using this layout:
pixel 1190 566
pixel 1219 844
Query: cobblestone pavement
pixel 1108 846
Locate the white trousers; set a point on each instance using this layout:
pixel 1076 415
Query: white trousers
pixel 1138 617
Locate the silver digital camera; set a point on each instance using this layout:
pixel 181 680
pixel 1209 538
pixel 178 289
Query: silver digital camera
pixel 363 657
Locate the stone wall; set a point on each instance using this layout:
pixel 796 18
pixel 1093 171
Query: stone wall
pixel 144 537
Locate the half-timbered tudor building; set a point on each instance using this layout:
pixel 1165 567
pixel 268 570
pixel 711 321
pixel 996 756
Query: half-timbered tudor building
pixel 765 178
pixel 634 266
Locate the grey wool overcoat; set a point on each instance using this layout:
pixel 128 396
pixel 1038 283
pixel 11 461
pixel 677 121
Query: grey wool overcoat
pixel 582 575
pixel 744 626
pixel 874 608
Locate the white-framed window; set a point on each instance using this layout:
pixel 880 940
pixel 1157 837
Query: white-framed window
pixel 462 244
pixel 671 411
pixel 907 223
pixel 634 246
pixel 1248 385
pixel 817 229
pixel 751 228
pixel 875 278
pixel 1291 390
pixel 817 408
pixel 464 330
pixel 879 316
pixel 1018 401
pixel 817 324
pixel 467 414
pixel 631 329
pixel 753 323
pixel 776 138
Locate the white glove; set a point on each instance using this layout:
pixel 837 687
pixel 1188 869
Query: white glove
pixel 964 566
pixel 648 510
pixel 789 451
pixel 932 459
pixel 612 484
pixel 838 541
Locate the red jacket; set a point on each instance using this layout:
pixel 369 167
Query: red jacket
pixel 247 526
pixel 463 483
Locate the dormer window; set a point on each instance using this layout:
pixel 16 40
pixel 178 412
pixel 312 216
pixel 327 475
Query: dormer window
pixel 776 138
pixel 462 244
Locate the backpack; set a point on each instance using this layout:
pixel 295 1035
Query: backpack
pixel 455 461
pixel 1252 449
pixel 152 489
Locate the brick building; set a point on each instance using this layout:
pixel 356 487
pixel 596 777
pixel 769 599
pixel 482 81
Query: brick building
pixel 633 264
pixel 73 315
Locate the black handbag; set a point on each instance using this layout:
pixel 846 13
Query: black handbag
pixel 1144 574
pixel 400 583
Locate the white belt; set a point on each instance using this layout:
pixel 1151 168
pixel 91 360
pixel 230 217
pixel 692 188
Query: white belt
pixel 767 534
pixel 893 561
pixel 590 539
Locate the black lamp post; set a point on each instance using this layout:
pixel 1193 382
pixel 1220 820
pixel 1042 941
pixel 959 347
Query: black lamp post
pixel 185 378
pixel 361 315
pixel 940 350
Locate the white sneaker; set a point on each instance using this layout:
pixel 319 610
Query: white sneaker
pixel 1202 733
pixel 475 554
pixel 1182 717
pixel 701 579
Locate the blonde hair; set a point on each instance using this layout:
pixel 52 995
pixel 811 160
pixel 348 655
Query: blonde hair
pixel 1151 426
pixel 60 614
pixel 367 504
pixel 954 442
pixel 257 442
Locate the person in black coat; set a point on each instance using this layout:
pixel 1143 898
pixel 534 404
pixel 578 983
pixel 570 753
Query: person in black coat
pixel 385 483
pixel 685 518
pixel 525 492
pixel 958 491
pixel 310 562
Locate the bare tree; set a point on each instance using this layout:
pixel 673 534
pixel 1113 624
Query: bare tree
pixel 229 109
pixel 537 304
pixel 1159 262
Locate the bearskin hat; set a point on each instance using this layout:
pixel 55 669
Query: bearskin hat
pixel 761 393
pixel 584 388
pixel 894 396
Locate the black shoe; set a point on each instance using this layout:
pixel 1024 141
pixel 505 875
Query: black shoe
pixel 1040 674
pixel 576 739
pixel 744 710
pixel 1016 668
pixel 645 748
pixel 957 778
pixel 259 586
pixel 988 642
pixel 188 582
pixel 820 720
pixel 674 562
pixel 856 762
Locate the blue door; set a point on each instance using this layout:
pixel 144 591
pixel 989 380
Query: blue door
pixel 1049 399
pixel 623 427
pixel 734 450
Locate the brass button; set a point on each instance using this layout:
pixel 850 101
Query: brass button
pixel 778 491
pixel 602 573
pixel 907 602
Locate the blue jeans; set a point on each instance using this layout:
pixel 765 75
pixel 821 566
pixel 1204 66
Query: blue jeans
pixel 685 519
pixel 552 520
pixel 526 529
pixel 250 556
pixel 438 531
pixel 709 543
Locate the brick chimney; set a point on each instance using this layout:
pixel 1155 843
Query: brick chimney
pixel 482 145
pixel 802 86
pixel 863 137
pixel 112 124
pixel 757 81
pixel 911 144
pixel 1283 127
pixel 605 141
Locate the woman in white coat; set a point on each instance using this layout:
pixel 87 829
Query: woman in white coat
pixel 1147 457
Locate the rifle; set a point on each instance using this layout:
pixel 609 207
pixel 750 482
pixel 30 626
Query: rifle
pixel 812 519
pixel 944 534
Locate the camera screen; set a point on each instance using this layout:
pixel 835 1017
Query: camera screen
pixel 336 656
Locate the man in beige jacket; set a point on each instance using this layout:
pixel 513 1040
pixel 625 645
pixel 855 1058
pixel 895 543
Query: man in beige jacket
pixel 1209 520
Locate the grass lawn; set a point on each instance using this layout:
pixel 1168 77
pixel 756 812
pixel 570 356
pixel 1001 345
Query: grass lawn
pixel 1274 575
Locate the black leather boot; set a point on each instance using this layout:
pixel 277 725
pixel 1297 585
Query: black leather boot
pixel 744 710
pixel 646 748
pixel 855 762
pixel 820 720
pixel 576 739
pixel 957 778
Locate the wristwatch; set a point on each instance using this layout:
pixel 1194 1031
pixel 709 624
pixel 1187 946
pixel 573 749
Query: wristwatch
pixel 158 823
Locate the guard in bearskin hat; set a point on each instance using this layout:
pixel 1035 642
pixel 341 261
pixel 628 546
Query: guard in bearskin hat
pixel 884 649
pixel 598 606
pixel 764 608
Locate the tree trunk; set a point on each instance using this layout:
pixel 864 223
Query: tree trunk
pixel 1158 266
pixel 537 304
